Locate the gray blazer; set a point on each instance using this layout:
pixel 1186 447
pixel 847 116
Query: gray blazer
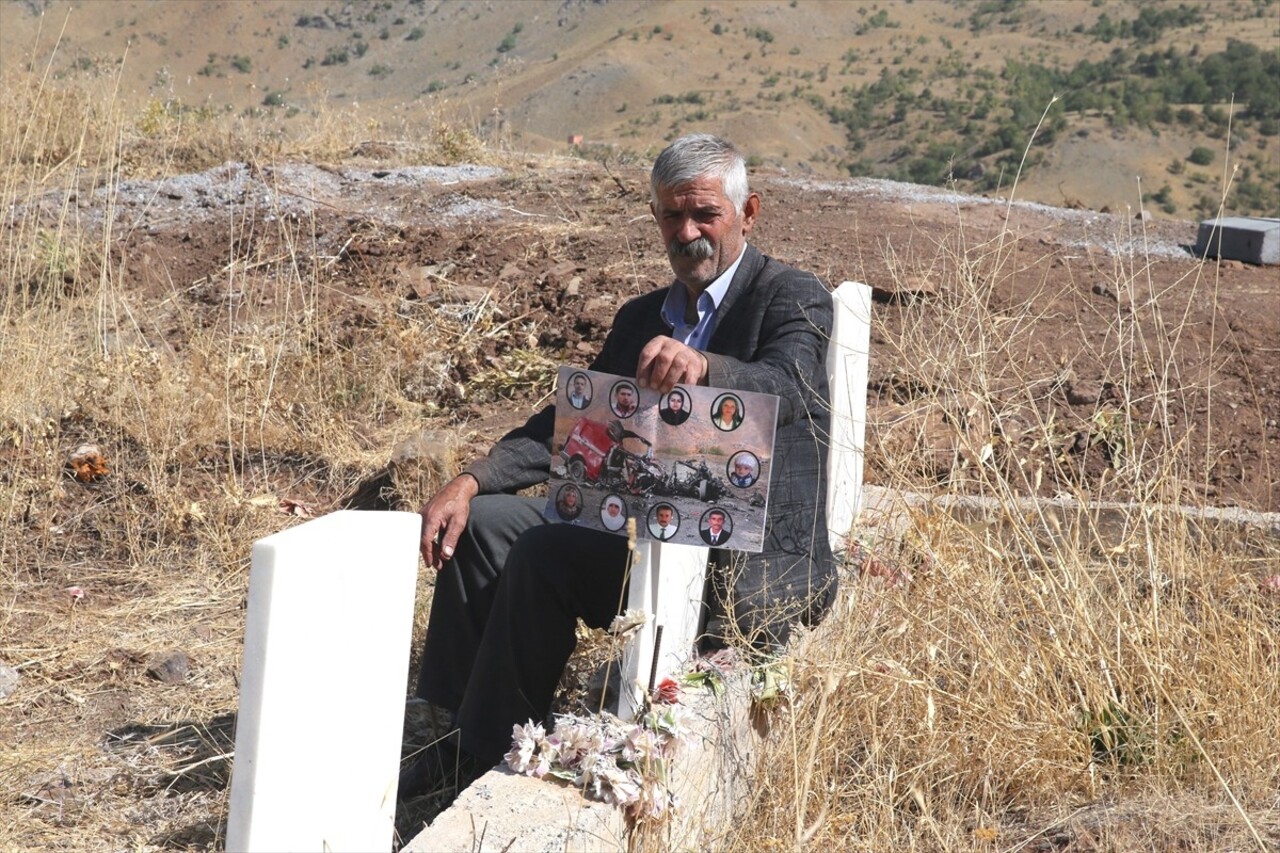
pixel 771 336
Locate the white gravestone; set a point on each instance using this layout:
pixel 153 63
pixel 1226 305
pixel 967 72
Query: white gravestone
pixel 666 583
pixel 848 360
pixel 326 657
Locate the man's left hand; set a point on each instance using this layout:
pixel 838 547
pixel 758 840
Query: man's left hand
pixel 666 363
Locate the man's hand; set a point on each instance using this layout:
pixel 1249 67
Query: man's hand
pixel 666 363
pixel 443 518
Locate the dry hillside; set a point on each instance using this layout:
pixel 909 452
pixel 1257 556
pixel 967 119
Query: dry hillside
pixel 960 94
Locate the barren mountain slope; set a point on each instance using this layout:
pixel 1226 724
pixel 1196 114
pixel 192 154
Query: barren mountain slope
pixel 622 75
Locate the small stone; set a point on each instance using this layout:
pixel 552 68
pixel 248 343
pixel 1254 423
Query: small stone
pixel 468 293
pixel 170 667
pixel 9 678
pixel 559 273
pixel 1104 291
pixel 1082 393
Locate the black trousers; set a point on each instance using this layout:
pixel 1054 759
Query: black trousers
pixel 504 613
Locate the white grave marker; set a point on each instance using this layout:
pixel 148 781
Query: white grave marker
pixel 326 657
pixel 666 582
pixel 848 359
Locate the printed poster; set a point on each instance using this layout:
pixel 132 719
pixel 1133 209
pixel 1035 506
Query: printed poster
pixel 691 467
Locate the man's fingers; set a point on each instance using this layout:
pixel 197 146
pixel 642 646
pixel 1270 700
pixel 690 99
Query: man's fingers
pixel 443 518
pixel 665 363
pixel 681 368
pixel 449 541
pixel 648 365
pixel 437 545
pixel 430 531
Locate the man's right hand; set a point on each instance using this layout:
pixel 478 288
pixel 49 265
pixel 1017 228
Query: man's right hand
pixel 444 517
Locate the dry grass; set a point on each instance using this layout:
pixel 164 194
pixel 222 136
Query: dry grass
pixel 1012 676
pixel 210 412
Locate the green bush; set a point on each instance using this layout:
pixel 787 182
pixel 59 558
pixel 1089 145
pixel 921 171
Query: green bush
pixel 1201 156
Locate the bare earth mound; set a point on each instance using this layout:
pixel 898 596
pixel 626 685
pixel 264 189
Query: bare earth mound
pixel 1114 318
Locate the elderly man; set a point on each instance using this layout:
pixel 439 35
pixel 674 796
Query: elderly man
pixel 511 586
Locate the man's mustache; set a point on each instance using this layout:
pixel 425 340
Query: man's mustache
pixel 699 249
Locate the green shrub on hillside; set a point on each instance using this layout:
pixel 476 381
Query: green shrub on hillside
pixel 1151 23
pixel 1200 155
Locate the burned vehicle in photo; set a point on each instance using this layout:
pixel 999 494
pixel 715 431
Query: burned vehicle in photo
pixel 595 454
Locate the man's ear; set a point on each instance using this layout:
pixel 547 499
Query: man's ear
pixel 750 210
pixel 653 211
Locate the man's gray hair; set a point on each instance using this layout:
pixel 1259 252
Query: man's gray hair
pixel 701 155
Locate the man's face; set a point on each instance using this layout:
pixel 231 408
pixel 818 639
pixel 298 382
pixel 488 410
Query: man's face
pixel 742 469
pixel 701 230
pixel 676 402
pixel 664 516
pixel 626 399
pixel 715 521
pixel 570 499
pixel 728 409
pixel 579 386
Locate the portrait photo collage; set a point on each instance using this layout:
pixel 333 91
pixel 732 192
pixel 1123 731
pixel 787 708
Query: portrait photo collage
pixel 691 467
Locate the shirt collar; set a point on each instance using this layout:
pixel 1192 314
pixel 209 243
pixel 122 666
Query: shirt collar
pixel 708 301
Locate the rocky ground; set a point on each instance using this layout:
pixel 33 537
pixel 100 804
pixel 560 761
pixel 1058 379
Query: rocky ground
pixel 1083 323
